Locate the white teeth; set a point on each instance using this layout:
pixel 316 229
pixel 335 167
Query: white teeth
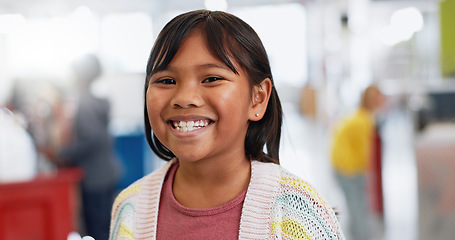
pixel 190 125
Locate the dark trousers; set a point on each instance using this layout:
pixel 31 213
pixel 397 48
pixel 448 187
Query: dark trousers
pixel 97 212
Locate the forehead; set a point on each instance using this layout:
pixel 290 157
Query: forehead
pixel 195 43
pixel 195 51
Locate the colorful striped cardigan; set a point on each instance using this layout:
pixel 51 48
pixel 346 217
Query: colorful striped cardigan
pixel 277 205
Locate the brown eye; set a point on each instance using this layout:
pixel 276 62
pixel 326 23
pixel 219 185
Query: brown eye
pixel 166 81
pixel 211 79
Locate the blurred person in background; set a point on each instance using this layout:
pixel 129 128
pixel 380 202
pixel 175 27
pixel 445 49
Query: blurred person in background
pixel 351 154
pixel 90 146
pixel 17 151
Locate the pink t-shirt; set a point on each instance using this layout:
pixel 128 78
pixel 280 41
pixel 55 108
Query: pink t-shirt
pixel 178 222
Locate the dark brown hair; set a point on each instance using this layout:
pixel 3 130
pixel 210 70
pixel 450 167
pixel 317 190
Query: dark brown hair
pixel 227 37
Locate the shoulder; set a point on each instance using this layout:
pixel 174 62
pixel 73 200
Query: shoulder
pixel 363 116
pixel 124 211
pixel 300 211
pixel 129 203
pixel 280 205
pixel 355 124
pixel 130 194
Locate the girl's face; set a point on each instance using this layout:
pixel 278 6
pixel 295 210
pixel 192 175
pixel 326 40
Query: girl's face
pixel 197 107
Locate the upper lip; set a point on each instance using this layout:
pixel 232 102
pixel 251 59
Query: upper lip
pixel 187 118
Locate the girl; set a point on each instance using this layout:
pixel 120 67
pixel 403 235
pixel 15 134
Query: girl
pixel 210 109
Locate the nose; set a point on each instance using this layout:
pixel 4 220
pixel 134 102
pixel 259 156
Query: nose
pixel 186 96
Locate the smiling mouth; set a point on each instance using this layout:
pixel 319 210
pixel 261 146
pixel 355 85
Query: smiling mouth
pixel 187 126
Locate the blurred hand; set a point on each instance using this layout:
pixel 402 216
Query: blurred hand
pixel 77 236
pixel 50 154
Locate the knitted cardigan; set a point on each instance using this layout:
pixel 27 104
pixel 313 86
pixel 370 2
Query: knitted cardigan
pixel 277 205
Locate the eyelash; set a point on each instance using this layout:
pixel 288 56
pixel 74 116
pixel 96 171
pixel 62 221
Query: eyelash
pixel 212 79
pixel 165 81
pixel 168 81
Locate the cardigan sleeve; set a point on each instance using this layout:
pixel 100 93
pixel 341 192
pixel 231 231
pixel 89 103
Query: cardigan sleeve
pixel 124 213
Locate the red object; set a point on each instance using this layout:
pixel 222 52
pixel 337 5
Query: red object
pixel 375 176
pixel 44 208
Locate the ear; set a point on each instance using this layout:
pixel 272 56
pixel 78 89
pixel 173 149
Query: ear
pixel 260 99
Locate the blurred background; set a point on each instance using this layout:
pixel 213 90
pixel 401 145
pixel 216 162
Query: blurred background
pixel 323 53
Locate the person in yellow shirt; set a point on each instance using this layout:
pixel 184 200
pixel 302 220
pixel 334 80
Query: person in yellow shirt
pixel 350 155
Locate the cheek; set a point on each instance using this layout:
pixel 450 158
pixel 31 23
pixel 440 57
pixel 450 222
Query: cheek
pixel 155 104
pixel 235 104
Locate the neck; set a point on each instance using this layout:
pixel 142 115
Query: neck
pixel 210 184
pixel 369 110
